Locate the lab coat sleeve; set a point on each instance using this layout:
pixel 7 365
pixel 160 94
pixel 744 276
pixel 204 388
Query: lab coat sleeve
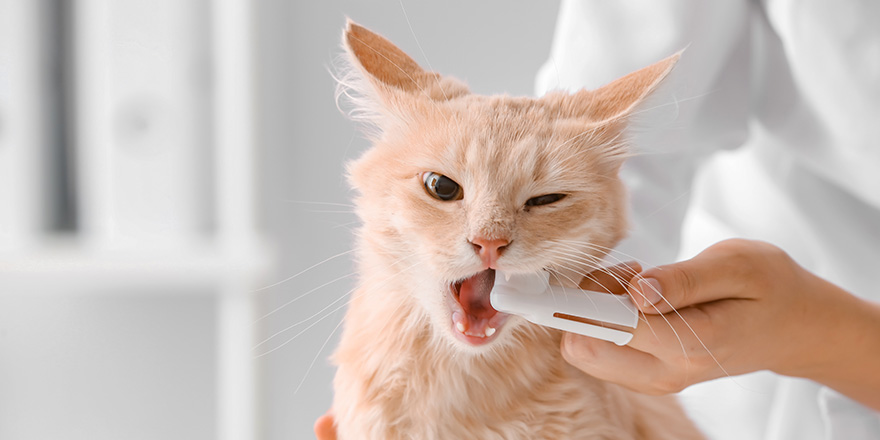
pixel 701 108
pixel 846 419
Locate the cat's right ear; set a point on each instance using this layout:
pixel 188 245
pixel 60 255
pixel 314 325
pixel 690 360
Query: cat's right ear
pixel 383 83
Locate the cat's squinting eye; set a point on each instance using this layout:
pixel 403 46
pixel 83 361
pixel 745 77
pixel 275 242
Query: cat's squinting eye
pixel 546 199
pixel 441 187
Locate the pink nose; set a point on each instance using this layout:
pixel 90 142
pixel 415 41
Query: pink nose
pixel 489 250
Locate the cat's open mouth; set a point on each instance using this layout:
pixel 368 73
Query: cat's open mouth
pixel 474 321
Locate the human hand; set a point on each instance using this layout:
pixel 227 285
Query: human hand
pixel 324 428
pixel 739 306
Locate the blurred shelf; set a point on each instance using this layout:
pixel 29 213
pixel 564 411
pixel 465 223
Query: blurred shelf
pixel 181 266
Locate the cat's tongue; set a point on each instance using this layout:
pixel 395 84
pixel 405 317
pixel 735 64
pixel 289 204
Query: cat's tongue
pixel 474 295
pixel 474 320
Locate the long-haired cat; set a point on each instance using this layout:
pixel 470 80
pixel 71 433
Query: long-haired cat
pixel 455 187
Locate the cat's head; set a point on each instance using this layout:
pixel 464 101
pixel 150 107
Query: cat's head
pixel 457 185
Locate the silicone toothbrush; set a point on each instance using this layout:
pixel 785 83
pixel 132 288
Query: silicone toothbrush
pixel 570 309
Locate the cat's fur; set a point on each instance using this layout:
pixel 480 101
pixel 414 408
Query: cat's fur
pixel 402 373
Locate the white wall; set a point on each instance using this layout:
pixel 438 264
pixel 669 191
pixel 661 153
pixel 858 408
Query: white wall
pixel 496 46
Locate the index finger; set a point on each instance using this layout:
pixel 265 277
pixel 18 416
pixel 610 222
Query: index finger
pixel 712 275
pixel 613 279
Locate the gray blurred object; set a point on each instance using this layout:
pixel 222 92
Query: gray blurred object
pixel 129 248
pixel 24 80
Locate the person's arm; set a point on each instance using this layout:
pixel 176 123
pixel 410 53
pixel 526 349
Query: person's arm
pixel 740 306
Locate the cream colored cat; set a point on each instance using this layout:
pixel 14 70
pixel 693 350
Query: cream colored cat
pixel 455 187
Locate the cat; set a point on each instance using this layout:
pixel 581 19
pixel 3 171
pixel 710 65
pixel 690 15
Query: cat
pixel 455 187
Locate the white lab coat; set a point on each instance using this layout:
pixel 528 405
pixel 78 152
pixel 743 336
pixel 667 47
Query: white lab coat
pixel 769 128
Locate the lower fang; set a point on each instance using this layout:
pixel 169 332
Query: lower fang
pixel 490 331
pixel 459 326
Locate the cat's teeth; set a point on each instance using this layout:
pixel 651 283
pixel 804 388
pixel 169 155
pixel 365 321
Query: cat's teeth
pixel 490 331
pixel 459 326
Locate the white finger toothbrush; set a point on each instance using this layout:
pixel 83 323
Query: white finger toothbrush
pixel 564 308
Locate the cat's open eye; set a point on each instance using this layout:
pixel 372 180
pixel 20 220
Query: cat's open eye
pixel 546 199
pixel 441 187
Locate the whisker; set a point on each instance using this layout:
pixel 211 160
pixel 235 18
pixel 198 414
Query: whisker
pixel 622 282
pixel 346 225
pixel 592 263
pixel 300 297
pixel 303 271
pixel 317 355
pixel 700 340
pixel 668 203
pixel 307 293
pixel 641 317
pixel 580 263
pixel 316 211
pixel 386 281
pixel 589 276
pixel 307 202
pixel 279 332
pixel 625 283
pixel 609 252
pixel 577 286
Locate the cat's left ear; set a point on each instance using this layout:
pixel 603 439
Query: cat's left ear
pixel 616 100
pixel 385 80
pixel 606 111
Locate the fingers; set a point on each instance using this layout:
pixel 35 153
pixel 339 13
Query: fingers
pixel 683 333
pixel 713 315
pixel 721 271
pixel 667 353
pixel 701 319
pixel 324 429
pixel 625 366
pixel 612 279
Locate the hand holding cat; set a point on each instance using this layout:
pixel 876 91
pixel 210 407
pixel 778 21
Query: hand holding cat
pixel 739 306
pixel 324 429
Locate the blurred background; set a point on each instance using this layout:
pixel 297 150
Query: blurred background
pixel 174 217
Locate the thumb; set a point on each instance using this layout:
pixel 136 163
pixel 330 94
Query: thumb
pixel 671 287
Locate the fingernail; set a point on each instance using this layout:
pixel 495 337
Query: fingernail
pixel 571 352
pixel 651 291
pixel 567 351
